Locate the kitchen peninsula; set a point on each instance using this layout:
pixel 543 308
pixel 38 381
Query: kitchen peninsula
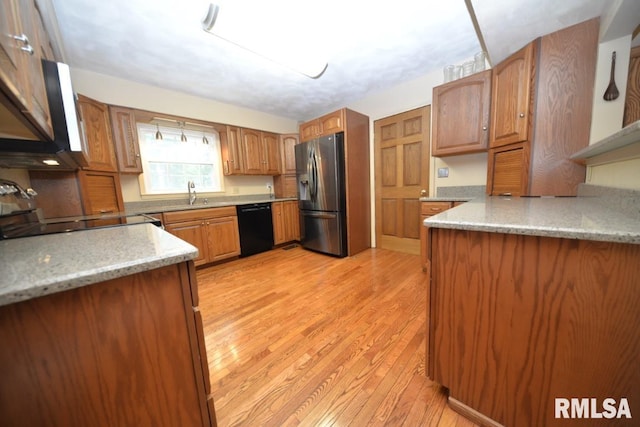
pixel 102 324
pixel 533 299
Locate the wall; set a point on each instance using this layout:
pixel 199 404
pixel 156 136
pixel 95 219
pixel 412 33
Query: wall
pixel 117 91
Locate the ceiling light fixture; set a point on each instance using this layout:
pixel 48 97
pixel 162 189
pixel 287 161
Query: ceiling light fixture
pixel 280 51
pixel 183 137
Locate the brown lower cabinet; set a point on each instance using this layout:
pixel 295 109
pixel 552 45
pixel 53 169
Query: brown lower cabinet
pixel 428 209
pixel 214 231
pixel 286 221
pixel 128 351
pixel 517 321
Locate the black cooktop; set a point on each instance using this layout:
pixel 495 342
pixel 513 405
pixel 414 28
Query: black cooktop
pixel 29 225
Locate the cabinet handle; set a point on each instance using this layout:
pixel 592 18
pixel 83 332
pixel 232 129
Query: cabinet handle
pixel 106 211
pixel 25 41
pixel 484 128
pixel 22 38
pixel 138 155
pixel 521 115
pixel 435 209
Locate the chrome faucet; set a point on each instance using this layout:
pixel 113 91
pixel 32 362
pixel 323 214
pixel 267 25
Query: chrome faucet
pixel 192 193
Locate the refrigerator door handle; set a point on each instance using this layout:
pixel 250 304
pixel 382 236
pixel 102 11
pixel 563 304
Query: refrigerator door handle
pixel 319 215
pixel 312 169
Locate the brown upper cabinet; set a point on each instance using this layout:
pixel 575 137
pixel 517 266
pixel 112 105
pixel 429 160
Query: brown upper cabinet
pixel 260 152
pixel 95 117
pixel 230 145
pixel 511 99
pixel 541 104
pixel 21 76
pixel 460 120
pixel 325 125
pixel 285 185
pixel 125 139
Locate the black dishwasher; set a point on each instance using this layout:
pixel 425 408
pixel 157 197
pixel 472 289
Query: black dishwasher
pixel 256 228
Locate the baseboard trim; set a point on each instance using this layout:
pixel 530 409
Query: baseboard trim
pixel 471 414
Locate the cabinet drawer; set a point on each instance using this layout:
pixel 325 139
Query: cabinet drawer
pixel 198 214
pixel 432 208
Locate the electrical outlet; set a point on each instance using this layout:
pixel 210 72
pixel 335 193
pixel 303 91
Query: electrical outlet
pixel 443 172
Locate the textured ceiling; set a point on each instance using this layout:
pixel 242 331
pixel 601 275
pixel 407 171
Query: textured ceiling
pixel 369 45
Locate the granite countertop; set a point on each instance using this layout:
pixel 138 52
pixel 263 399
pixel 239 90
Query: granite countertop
pixel 586 218
pixel 154 206
pixel 42 265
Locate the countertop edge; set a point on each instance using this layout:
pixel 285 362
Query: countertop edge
pixel 171 251
pixel 559 232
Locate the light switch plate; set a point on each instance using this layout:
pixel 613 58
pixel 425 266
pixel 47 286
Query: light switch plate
pixel 443 172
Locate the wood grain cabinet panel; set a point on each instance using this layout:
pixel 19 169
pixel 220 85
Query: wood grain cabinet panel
pixel 192 232
pixel 541 101
pixel 460 116
pixel 214 231
pixel 261 152
pixel 326 125
pixel 632 99
pixel 125 139
pixel 285 185
pixel 121 352
pixel 231 149
pixel 511 88
pixel 517 321
pixel 286 222
pixel 428 209
pixel 223 238
pixel 21 75
pixel 95 117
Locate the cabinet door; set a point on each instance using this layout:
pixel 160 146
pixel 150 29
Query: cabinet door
pixel 125 138
pixel 251 151
pixel 270 154
pixel 511 98
pixel 101 192
pixel 309 130
pixel 193 232
pixel 291 221
pixel 37 105
pixel 231 147
pixel 508 171
pixel 278 223
pixel 223 238
pixel 332 123
pixel 288 144
pixel 11 57
pixel 461 115
pixel 95 116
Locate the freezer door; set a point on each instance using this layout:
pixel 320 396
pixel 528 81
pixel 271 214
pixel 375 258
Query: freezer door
pixel 324 232
pixel 320 173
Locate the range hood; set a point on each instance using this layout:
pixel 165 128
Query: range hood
pixel 68 150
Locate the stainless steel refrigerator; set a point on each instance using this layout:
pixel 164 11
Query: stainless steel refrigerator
pixel 321 194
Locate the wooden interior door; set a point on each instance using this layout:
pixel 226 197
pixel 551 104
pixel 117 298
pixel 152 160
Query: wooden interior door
pixel 402 170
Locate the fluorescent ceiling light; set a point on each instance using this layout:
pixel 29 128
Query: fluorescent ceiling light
pixel 51 162
pixel 284 49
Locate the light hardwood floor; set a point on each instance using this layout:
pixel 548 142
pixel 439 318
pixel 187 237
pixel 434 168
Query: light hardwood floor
pixel 299 338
